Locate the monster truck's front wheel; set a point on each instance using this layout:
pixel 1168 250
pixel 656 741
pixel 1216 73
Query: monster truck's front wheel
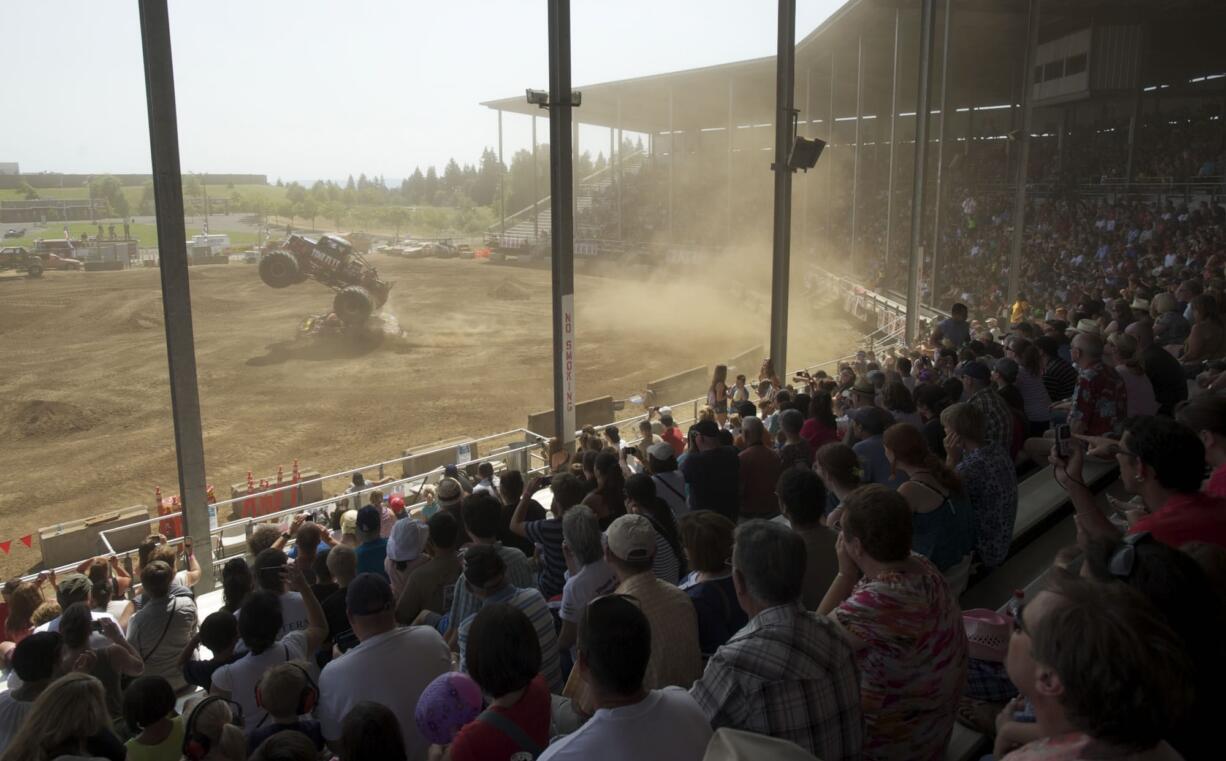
pixel 353 304
pixel 279 269
pixel 35 270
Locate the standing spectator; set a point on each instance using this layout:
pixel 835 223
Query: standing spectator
pixel 505 661
pixel 219 633
pixel 867 426
pixel 904 625
pixel 149 711
pixel 707 537
pixel 1100 399
pixel 607 501
pixel 788 673
pixel 111 656
pixel 670 484
pixel 1120 352
pixel 67 721
pixel 568 491
pixel 483 518
pixel 930 400
pixel 406 549
pixel 675 656
pixel 759 471
pixel 372 545
pixel 1085 704
pixel 162 628
pixel 391 666
pixel 632 720
pixel 287 692
pixel 1206 415
pixel 511 490
pixel 641 499
pixel 370 730
pixel 988 477
pixel 820 427
pixel 431 586
pixel 24 599
pixel 486 574
pixel 270 567
pixel 802 498
pixel 343 563
pixel 488 481
pixel 978 392
pixel 1164 371
pixel 717 394
pixel 590 576
pixel 953 331
pixel 259 625
pixel 671 433
pixel 712 473
pixel 898 401
pixel 1058 376
pixel 236 583
pixel 37 660
pixel 1036 403
pixel 795 450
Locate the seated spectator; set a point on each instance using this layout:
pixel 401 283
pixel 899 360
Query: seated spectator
pixel 841 472
pixel 606 500
pixel 68 721
pixel 370 730
pixel 759 471
pixel 977 391
pixel 897 400
pixel 149 711
pixel 867 426
pixel 111 656
pixel 987 477
pixel 391 666
pixel 290 745
pixel 287 693
pixel 930 400
pixel 211 734
pixel 1085 704
pixel 675 655
pixel 1162 462
pixel 260 626
pixel 1207 338
pixel 1171 328
pixel 1058 376
pixel 590 576
pixel 707 538
pixel 37 661
pixel 668 564
pixel 1165 373
pixel 219 633
pixel 546 533
pixel 431 586
pixel 712 472
pixel 1100 400
pixel 903 622
pixel 670 484
pixel 820 427
pixel 505 661
pixel 795 451
pixel 161 629
pixel 236 583
pixel 1206 415
pixel 270 575
pixel 343 563
pixel 486 575
pixel 372 546
pixel 1120 352
pixel 943 528
pixel 802 498
pixel 405 552
pixel 788 673
pixel 632 720
pixel 510 492
pixel 1036 402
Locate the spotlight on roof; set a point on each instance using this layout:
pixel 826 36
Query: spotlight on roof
pixel 804 153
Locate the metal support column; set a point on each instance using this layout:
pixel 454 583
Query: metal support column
pixel 830 164
pixel 731 135
pixel 1019 194
pixel 672 160
pixel 176 295
pixel 810 126
pixel 620 175
pixel 781 257
pixel 889 201
pixel 502 196
pixel 927 11
pixel 562 222
pixel 855 163
pixel 936 202
pixel 536 189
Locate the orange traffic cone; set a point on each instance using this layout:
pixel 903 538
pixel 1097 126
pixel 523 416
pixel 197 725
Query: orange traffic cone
pixel 281 501
pixel 249 503
pixel 295 493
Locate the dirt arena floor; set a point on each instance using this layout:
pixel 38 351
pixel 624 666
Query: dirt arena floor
pixel 85 407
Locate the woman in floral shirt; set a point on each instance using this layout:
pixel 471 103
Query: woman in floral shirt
pixel 905 626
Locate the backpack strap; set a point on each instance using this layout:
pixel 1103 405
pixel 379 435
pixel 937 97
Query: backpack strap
pixel 511 730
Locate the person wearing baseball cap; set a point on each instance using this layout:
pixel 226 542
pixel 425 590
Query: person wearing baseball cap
pixel 712 472
pixel 392 665
pixel 670 432
pixel 675 655
pixel 977 391
pixel 670 484
pixel 867 426
pixel 372 548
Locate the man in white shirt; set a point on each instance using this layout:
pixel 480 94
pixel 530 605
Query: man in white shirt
pixel 630 721
pixel 488 482
pixel 259 626
pixel 390 665
pixel 269 570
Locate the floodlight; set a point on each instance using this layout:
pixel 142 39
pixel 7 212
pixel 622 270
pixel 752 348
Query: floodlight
pixel 538 98
pixel 804 153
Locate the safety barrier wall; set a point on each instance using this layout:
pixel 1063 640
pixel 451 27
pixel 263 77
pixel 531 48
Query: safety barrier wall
pixel 598 411
pixel 678 387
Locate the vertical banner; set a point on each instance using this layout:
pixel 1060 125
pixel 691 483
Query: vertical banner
pixel 568 372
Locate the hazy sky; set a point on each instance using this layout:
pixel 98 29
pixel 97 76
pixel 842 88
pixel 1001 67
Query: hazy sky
pixel 312 89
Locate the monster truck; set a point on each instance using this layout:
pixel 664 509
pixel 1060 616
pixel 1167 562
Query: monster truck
pixel 19 259
pixel 333 262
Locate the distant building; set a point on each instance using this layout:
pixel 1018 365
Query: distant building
pixel 9 167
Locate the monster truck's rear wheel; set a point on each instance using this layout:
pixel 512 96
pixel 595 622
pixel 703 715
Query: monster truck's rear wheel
pixel 353 304
pixel 35 270
pixel 279 269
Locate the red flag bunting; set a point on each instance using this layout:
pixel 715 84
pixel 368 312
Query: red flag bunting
pixel 28 540
pixel 6 545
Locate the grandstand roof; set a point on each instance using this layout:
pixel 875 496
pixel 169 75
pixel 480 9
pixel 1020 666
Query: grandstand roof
pixel 989 33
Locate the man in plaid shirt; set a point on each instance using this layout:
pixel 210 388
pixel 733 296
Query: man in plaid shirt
pixel 788 673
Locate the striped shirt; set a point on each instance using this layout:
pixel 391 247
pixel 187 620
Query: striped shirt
pixel 464 603
pixel 537 610
pixel 548 534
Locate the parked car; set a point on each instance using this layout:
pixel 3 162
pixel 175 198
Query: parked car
pixel 14 233
pixel 57 254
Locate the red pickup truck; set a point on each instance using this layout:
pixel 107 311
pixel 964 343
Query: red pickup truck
pixel 57 254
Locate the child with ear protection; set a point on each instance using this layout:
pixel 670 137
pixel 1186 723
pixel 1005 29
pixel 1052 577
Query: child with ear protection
pixel 288 693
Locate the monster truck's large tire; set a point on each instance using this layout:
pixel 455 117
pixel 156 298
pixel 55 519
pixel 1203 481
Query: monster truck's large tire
pixel 353 304
pixel 35 270
pixel 279 269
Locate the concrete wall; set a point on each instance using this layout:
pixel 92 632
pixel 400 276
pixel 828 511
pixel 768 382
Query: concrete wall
pixel 746 363
pixel 69 542
pixel 597 411
pixel 680 387
pixel 448 454
pixel 312 492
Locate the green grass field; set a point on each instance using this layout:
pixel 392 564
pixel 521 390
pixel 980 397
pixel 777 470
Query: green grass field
pixel 146 234
pixel 271 193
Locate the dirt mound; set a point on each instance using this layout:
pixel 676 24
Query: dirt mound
pixel 511 290
pixel 39 418
pixel 144 321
